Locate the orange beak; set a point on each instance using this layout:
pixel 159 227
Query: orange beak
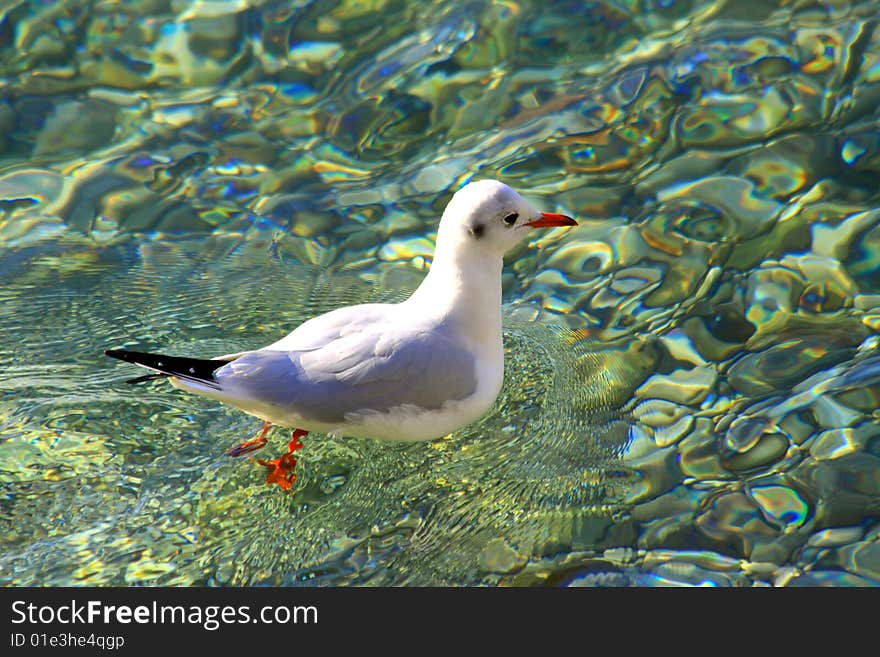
pixel 549 219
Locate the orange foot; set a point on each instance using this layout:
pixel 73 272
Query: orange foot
pixel 282 471
pixel 251 445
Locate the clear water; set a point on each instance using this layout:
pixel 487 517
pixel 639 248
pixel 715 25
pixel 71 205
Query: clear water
pixel 693 374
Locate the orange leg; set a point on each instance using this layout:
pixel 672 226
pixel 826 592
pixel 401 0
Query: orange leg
pixel 282 471
pixel 251 445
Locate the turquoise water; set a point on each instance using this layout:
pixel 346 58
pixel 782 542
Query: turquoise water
pixel 693 374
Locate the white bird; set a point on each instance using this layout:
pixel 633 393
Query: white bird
pixel 414 370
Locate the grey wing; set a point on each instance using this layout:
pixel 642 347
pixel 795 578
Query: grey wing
pixel 355 372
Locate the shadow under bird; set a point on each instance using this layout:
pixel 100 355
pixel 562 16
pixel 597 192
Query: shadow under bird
pixel 414 370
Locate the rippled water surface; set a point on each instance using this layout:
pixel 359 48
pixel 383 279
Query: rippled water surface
pixel 693 374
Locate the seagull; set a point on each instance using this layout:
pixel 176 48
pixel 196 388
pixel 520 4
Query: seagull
pixel 409 371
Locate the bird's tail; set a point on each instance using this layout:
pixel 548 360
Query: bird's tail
pixel 196 370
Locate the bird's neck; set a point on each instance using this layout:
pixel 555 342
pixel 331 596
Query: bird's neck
pixel 464 293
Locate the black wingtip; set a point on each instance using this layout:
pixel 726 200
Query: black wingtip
pixel 136 357
pixel 193 369
pixel 147 377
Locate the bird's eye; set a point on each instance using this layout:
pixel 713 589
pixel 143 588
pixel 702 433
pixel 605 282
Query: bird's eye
pixel 510 219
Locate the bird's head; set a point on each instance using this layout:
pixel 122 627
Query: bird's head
pixel 488 216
